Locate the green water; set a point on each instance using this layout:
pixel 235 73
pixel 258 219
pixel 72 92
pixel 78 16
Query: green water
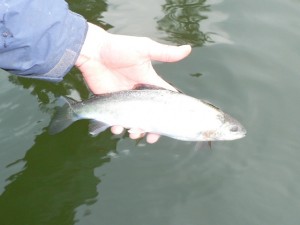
pixel 245 60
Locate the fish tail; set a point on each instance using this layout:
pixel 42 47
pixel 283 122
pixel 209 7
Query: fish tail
pixel 63 117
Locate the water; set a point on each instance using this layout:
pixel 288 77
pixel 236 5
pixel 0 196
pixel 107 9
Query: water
pixel 245 60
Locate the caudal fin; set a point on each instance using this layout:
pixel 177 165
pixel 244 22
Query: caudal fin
pixel 63 118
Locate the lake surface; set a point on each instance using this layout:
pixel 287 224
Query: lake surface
pixel 245 60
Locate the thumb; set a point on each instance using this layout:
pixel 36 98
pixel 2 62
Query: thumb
pixel 168 53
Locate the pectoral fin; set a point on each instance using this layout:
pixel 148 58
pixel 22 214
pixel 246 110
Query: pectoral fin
pixel 96 127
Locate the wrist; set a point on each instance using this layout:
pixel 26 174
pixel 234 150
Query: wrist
pixel 90 48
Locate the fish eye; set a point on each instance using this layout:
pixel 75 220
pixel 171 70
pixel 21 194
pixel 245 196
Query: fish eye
pixel 234 129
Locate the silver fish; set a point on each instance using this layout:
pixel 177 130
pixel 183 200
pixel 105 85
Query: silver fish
pixel 152 109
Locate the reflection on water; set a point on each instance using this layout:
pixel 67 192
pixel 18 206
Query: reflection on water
pixel 47 92
pixel 58 177
pixel 182 21
pixel 92 10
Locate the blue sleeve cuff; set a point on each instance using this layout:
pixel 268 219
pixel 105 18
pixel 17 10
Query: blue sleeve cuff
pixel 40 40
pixel 74 36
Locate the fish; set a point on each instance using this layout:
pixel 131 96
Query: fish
pixel 152 109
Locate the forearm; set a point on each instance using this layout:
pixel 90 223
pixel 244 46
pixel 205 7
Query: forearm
pixel 39 39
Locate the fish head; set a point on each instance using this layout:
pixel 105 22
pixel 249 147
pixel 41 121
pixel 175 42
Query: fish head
pixel 228 128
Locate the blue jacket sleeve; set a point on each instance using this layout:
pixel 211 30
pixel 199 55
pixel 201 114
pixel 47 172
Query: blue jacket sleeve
pixel 39 39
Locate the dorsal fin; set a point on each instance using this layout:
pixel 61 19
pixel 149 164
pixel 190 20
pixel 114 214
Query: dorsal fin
pixel 210 104
pixel 147 87
pixel 152 87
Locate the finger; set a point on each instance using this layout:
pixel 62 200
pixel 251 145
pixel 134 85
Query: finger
pixel 168 53
pixel 152 138
pixel 136 133
pixel 117 129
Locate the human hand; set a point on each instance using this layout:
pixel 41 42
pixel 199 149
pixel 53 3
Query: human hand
pixel 110 62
